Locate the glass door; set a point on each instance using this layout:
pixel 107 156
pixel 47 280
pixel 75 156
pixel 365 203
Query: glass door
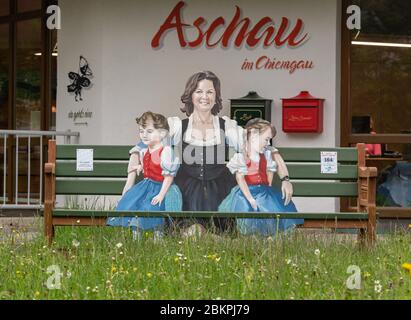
pixel 376 103
pixel 28 106
pixel 4 101
pixel 27 92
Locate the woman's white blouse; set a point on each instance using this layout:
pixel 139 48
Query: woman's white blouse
pixel 168 161
pixel 233 133
pixel 238 164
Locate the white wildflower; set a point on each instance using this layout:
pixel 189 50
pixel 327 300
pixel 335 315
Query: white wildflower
pixel 377 286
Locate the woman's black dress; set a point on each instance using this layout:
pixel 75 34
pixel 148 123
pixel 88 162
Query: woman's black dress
pixel 204 179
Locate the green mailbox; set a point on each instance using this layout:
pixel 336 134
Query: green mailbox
pixel 250 107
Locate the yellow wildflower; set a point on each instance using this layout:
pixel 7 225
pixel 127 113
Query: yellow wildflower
pixel 213 257
pixel 367 275
pixel 113 269
pixel 149 275
pixel 249 275
pixel 407 266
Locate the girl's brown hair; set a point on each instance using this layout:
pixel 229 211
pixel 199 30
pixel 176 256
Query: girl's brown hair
pixel 159 121
pixel 192 85
pixel 259 124
pixel 256 124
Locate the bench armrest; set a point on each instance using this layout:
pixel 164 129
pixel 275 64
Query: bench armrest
pixel 49 183
pixel 367 172
pixel 50 168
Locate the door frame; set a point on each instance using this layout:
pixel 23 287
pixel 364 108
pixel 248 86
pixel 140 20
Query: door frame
pixel 347 138
pixel 45 94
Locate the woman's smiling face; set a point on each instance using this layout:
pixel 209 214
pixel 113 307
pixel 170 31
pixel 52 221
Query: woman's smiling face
pixel 204 96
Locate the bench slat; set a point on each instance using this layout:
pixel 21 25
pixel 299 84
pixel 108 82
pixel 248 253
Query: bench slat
pixel 325 189
pixel 90 187
pixel 110 170
pixel 115 187
pixel 208 214
pixel 314 154
pixel 313 171
pixel 68 152
pixel 317 224
pixel 296 170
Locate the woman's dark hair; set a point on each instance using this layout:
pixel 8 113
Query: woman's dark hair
pixel 159 121
pixel 192 85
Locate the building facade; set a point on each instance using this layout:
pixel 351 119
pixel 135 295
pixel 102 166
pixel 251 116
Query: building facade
pixel 113 60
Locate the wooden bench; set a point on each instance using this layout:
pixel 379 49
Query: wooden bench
pixel 110 164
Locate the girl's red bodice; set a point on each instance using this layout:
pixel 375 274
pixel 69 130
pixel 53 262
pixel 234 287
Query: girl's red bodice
pixel 257 172
pixel 152 165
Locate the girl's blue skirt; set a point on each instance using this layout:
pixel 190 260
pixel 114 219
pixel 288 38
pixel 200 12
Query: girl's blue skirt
pixel 268 200
pixel 138 198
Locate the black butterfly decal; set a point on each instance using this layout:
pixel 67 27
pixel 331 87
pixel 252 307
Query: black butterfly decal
pixel 80 80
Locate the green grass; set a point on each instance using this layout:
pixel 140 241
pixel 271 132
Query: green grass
pixel 230 267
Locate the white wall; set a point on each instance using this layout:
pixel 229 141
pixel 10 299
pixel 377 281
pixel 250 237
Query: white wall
pixel 131 77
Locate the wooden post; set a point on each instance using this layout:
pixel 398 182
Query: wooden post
pixel 372 210
pixel 366 202
pixel 360 208
pixel 49 188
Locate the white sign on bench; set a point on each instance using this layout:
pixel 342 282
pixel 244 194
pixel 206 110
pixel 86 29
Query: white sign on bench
pixel 329 162
pixel 84 159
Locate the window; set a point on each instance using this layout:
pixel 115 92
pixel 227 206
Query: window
pixel 381 65
pixel 4 7
pixel 376 99
pixel 28 72
pixel 4 75
pixel 53 80
pixel 28 75
pixel 28 5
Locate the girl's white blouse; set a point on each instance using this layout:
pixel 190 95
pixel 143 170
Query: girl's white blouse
pixel 238 164
pixel 168 161
pixel 233 133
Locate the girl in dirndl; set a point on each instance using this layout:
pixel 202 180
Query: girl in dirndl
pixel 157 191
pixel 254 169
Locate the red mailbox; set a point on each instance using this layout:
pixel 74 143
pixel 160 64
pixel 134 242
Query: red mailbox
pixel 303 113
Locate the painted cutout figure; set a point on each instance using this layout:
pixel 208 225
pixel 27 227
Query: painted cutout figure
pixel 203 140
pixel 156 192
pixel 254 170
pixel 80 80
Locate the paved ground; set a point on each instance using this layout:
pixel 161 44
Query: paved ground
pixel 31 227
pixel 27 227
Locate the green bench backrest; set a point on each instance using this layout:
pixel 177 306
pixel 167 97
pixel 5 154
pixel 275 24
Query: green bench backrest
pixel 110 171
